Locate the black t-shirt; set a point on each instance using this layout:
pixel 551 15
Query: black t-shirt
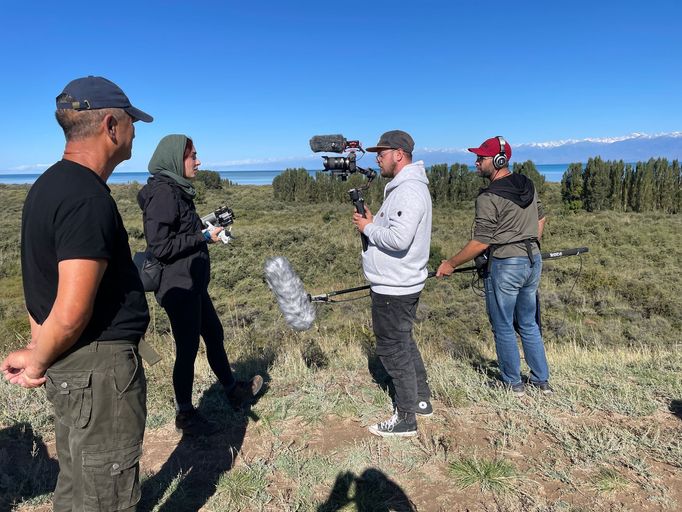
pixel 69 214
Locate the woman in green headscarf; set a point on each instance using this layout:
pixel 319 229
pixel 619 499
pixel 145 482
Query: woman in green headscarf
pixel 177 238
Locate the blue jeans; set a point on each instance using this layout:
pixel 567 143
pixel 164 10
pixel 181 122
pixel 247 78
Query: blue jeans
pixel 510 294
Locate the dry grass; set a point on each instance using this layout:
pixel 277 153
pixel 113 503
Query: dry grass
pixel 609 439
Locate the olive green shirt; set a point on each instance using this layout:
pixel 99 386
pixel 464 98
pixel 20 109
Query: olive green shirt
pixel 500 221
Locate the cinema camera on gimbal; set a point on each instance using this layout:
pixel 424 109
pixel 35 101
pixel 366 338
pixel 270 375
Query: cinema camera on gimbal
pixel 344 166
pixel 340 166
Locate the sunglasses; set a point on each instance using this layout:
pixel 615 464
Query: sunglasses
pixel 384 152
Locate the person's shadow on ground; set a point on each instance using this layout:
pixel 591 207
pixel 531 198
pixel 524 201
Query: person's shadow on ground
pixel 464 351
pixel 676 408
pixel 376 369
pixel 189 477
pixel 26 469
pixel 374 492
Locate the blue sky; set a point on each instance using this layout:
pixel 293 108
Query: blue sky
pixel 255 80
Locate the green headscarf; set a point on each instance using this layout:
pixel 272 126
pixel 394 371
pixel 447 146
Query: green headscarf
pixel 167 160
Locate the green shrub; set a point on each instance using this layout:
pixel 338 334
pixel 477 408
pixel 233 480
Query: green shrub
pixel 211 179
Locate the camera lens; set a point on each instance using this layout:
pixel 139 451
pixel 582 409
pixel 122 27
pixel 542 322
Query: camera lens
pixel 336 163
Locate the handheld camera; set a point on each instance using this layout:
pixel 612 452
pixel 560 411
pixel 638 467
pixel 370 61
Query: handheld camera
pixel 223 217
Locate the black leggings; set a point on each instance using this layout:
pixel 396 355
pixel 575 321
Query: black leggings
pixel 192 314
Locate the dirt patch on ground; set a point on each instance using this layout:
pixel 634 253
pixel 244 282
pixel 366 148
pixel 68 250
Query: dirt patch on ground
pixel 543 477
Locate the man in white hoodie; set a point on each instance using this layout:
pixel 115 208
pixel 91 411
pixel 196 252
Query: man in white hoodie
pixel 395 263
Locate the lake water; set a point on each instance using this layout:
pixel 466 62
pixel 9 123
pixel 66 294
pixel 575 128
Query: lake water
pixel 552 172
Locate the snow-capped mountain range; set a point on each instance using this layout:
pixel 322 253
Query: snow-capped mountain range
pixel 630 148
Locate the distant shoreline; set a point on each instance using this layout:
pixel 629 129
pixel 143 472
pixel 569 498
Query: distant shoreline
pixel 551 172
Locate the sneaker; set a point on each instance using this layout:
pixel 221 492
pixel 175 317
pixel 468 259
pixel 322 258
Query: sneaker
pixel 401 424
pixel 191 423
pixel 244 391
pixel 543 387
pixel 519 389
pixel 424 408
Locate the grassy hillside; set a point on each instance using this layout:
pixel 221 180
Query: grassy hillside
pixel 609 439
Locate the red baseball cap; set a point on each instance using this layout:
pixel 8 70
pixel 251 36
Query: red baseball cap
pixel 491 147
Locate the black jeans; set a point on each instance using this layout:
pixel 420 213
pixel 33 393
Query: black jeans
pixel 392 319
pixel 192 314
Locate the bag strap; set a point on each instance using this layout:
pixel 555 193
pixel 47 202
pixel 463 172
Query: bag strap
pixel 484 260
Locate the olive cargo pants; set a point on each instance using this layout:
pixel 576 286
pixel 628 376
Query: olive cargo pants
pixel 99 397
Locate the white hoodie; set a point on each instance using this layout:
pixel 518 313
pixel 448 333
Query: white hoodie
pixel 400 235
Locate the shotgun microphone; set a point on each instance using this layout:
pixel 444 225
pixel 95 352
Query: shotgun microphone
pixel 328 143
pixel 293 301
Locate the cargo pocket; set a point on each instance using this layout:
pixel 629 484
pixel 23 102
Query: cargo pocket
pixel 126 365
pixel 71 394
pixel 111 478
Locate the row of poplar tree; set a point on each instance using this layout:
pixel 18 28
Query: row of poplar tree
pixel 455 185
pixel 655 185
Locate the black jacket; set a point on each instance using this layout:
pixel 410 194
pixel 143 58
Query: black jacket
pixel 172 228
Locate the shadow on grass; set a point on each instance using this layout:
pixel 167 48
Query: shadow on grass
pixel 488 368
pixel 376 369
pixel 26 469
pixel 463 350
pixel 374 492
pixel 188 479
pixel 676 408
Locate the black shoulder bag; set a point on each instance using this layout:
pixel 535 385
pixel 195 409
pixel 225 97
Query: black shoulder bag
pixel 150 270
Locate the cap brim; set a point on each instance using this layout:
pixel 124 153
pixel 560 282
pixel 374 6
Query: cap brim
pixel 138 115
pixel 376 149
pixel 479 152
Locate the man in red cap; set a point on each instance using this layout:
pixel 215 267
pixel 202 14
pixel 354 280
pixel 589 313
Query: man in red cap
pixel 508 227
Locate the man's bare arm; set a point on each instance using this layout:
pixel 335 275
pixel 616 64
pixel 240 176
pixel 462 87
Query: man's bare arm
pixel 35 329
pixel 472 249
pixel 72 309
pixel 78 284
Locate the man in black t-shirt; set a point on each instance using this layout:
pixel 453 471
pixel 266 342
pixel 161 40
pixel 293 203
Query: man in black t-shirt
pixel 86 304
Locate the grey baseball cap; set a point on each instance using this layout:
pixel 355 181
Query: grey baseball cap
pixel 95 92
pixel 394 139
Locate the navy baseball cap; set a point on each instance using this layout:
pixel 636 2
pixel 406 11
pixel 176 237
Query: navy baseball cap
pixel 95 92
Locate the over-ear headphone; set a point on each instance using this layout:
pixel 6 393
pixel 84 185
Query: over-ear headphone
pixel 500 160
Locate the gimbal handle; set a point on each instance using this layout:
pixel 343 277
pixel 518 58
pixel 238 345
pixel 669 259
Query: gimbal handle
pixel 356 197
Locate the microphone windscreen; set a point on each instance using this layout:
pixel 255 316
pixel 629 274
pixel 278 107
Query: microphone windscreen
pixel 331 143
pixel 298 311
